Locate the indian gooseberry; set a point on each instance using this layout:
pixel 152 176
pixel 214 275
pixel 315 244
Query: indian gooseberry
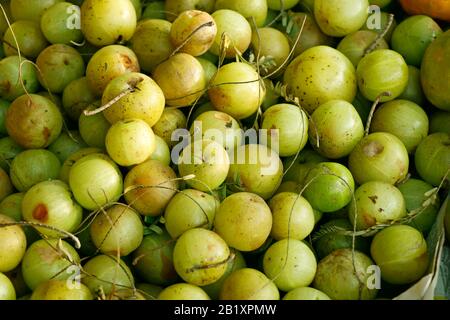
pixel 281 4
pixel 333 240
pixel 29 38
pixel 26 10
pixel 7 9
pixel 7 291
pixel 174 7
pixel 189 209
pixel 321 74
pixel 149 187
pixel 11 68
pixel 305 293
pixel 33 166
pixel 329 186
pixel 95 180
pixel 311 35
pixel 439 121
pixel 401 253
pixel 288 186
pixel 255 10
pixel 48 259
pixel 379 23
pixel 153 260
pixel 149 291
pixel 130 142
pixel 354 45
pixel 344 275
pixel 59 23
pixel 380 156
pixel 338 127
pixel 118 230
pixel 145 99
pixel 375 203
pixel 404 119
pixel 248 284
pixel 237 90
pixel 412 37
pixel 162 151
pixel 170 120
pixel 13 244
pixel 153 34
pixel 183 291
pixel 382 71
pixel 4 105
pixel 297 168
pixel 244 221
pixel 154 10
pixel 137 4
pixel 9 149
pixel 11 205
pixel 209 68
pixel 413 91
pixel 208 161
pixel 59 290
pixel 293 216
pixel 193 32
pixel 181 78
pixel 255 168
pixel 105 22
pixel 200 256
pixel 33 121
pixel 290 263
pixel 70 161
pixel 234 33
pixel 52 203
pixel 107 274
pixel 414 192
pixel 288 128
pixel 219 127
pixel 66 144
pixel 77 97
pixel 93 128
pixel 6 187
pixel 234 263
pixel 432 158
pixel 108 63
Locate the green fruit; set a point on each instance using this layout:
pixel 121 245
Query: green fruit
pixel 305 293
pixel 13 244
pixel 439 122
pixel 93 129
pixel 329 186
pixel 153 260
pixel 378 23
pixel 344 275
pixel 67 144
pixel 338 127
pixel 255 10
pixel 7 291
pixel 376 203
pixel 200 256
pixel 412 37
pixel 183 291
pixel 168 124
pixel 293 216
pixel 334 241
pixel 413 91
pixel 154 10
pixel 414 191
pixel 401 253
pixel 26 10
pixel 321 74
pixel 77 97
pixel 29 38
pixel 162 151
pixel 435 74
pixel 60 290
pixel 106 274
pixel 372 74
pixel 8 151
pixel 6 187
pixel 290 263
pixel 248 284
pixel 70 161
pixel 48 259
pixel 11 68
pixel 298 168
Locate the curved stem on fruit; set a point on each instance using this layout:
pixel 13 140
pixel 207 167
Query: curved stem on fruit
pixel 372 110
pixel 110 103
pixel 189 37
pixel 380 36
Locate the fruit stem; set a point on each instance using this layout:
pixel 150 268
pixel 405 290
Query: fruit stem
pixel 380 36
pixel 110 103
pixel 206 24
pixel 372 110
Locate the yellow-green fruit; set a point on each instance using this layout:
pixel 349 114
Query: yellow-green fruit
pixel 174 7
pixel 249 284
pixel 13 244
pixel 170 120
pixel 401 253
pixel 7 291
pixel 252 10
pixel 61 290
pixel 183 291
pixel 306 293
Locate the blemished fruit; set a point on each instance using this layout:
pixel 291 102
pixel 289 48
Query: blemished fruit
pixel 401 253
pixel 244 221
pixel 248 284
pixel 343 275
pixel 200 256
pixel 321 74
pixel 11 68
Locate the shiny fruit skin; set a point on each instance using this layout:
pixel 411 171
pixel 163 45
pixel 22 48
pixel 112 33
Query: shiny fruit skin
pixel 13 244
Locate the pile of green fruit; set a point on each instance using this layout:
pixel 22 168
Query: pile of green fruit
pixel 221 149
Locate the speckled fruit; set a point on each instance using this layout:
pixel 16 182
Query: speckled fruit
pixel 60 290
